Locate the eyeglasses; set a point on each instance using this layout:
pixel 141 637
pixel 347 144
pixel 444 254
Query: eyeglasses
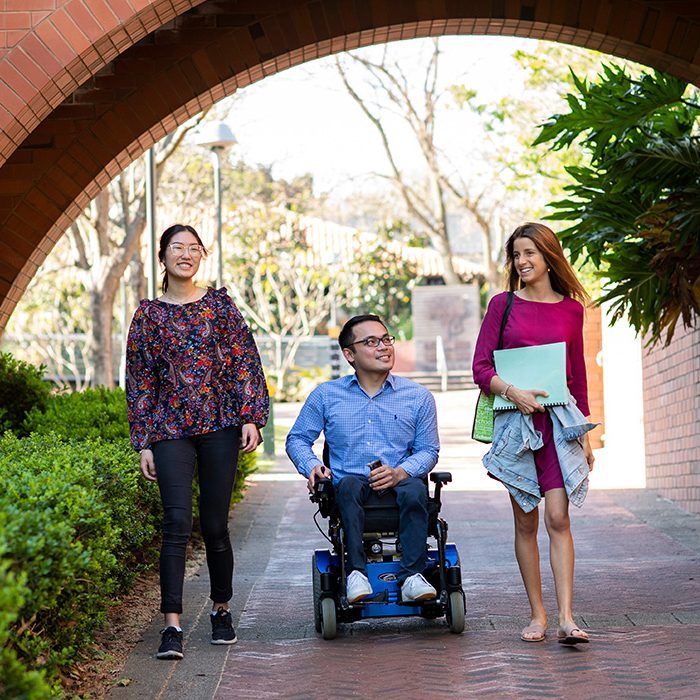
pixel 374 342
pixel 178 249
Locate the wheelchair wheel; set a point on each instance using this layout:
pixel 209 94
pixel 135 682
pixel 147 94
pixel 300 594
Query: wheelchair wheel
pixel 316 578
pixel 328 618
pixel 455 612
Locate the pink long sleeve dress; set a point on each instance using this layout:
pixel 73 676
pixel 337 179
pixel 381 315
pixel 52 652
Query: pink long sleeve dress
pixel 536 323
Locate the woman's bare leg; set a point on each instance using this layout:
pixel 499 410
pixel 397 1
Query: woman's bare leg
pixel 561 554
pixel 528 555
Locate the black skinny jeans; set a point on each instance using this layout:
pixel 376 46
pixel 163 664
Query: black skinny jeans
pixel 216 457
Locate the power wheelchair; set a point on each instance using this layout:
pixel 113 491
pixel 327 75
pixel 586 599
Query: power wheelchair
pixel 383 550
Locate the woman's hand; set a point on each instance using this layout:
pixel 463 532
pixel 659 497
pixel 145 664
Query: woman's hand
pixel 148 465
pixel 526 399
pixel 250 437
pixel 588 452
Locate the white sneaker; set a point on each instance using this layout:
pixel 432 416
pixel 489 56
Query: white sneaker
pixel 357 587
pixel 417 588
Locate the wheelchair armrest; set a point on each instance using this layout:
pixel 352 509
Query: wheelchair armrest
pixel 440 477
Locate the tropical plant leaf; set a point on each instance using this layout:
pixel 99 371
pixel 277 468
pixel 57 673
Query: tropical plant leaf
pixel 636 203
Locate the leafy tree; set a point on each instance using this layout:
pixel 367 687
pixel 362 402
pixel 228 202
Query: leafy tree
pixel 636 202
pixel 496 181
pixel 381 278
pixel 427 202
pixel 278 286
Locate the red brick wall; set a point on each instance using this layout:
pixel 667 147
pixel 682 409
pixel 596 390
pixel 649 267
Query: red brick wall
pixel 19 16
pixel 672 419
pixel 592 345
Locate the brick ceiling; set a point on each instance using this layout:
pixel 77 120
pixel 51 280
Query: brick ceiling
pixel 88 85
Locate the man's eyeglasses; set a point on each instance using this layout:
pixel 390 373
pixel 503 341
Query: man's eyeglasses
pixel 374 342
pixel 178 249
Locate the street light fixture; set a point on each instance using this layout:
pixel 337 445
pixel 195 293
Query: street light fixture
pixel 217 138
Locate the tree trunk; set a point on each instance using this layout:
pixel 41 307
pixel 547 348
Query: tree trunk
pixel 100 343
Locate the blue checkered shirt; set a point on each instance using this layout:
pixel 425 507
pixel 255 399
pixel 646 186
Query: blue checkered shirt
pixel 398 425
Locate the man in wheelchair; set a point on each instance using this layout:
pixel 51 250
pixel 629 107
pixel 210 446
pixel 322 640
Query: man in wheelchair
pixel 371 417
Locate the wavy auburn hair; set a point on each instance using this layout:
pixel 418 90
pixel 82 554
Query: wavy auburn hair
pixel 561 275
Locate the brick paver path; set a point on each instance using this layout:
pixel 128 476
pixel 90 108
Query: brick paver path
pixel 637 591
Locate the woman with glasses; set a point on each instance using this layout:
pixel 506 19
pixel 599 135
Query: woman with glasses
pixel 196 394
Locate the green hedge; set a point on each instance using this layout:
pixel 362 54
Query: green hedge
pixel 77 523
pixel 21 390
pixel 93 413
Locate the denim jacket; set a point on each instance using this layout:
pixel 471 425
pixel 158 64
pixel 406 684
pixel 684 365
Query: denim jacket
pixel 511 459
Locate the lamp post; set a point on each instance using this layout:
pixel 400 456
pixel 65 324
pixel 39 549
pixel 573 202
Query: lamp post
pixel 217 138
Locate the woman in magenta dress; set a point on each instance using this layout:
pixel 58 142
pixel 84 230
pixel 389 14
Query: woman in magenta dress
pixel 196 393
pixel 547 308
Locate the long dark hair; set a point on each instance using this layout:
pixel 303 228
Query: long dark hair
pixel 163 246
pixel 561 275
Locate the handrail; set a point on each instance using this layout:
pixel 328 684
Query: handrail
pixel 441 362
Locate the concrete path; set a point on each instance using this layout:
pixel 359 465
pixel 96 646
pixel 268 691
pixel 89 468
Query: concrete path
pixel 638 593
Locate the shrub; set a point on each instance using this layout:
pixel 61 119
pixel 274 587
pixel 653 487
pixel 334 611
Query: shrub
pixel 21 390
pixel 77 523
pixel 59 533
pixel 16 681
pixel 92 413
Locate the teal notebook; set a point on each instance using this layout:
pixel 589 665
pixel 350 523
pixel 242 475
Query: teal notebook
pixel 533 367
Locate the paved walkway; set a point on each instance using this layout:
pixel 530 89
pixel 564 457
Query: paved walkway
pixel 638 592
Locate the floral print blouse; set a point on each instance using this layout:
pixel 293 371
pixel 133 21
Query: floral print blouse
pixel 191 369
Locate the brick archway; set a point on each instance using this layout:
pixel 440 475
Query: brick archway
pixel 90 84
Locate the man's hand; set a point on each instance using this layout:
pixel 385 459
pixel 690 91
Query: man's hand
pixel 148 465
pixel 250 437
pixel 318 472
pixel 385 477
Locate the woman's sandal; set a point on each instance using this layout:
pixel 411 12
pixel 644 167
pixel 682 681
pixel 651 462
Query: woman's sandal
pixel 537 630
pixel 571 635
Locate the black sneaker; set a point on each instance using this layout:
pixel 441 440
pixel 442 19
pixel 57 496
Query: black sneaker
pixel 170 644
pixel 222 631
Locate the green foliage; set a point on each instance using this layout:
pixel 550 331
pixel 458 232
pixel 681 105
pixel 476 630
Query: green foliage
pixel 247 465
pixel 530 175
pixel 77 523
pixel 16 681
pixel 21 390
pixel 380 279
pixel 300 382
pixel 636 202
pixel 72 530
pixel 92 413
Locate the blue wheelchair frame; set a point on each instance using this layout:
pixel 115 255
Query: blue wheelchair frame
pixel 443 569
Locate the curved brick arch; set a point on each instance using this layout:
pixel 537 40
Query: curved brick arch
pixel 54 46
pixel 209 50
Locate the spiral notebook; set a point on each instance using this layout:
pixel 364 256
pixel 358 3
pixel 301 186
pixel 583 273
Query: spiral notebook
pixel 533 367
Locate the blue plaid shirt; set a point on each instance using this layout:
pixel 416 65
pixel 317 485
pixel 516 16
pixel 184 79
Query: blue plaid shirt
pixel 398 425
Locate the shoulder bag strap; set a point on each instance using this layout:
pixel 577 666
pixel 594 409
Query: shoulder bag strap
pixel 504 320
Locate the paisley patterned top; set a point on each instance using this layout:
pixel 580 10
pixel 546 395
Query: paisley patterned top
pixel 191 369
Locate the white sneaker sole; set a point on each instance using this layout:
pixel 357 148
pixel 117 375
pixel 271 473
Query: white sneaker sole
pixel 360 597
pixel 165 655
pixel 224 641
pixel 417 599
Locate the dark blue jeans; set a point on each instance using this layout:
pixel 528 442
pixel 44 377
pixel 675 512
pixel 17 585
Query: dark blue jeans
pixel 412 498
pixel 216 457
